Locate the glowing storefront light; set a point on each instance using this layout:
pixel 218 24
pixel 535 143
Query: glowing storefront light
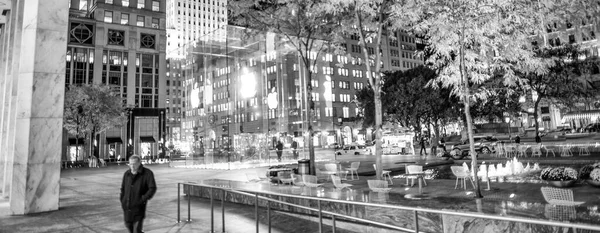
pixel 195 96
pixel 272 100
pixel 248 83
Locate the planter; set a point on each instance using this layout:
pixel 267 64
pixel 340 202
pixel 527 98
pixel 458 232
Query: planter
pixel 593 183
pixel 561 183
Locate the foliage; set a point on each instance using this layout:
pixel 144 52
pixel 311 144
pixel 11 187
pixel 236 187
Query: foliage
pixel 558 173
pixel 584 172
pixel 498 102
pixel 475 42
pixel 303 26
pixel 595 174
pixel 91 109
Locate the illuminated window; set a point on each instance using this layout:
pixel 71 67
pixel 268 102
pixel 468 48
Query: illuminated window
pixel 155 6
pixel 140 21
pixel 108 16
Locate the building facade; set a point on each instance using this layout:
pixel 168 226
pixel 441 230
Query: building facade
pixel 187 22
pixel 582 32
pixel 121 43
pixel 237 89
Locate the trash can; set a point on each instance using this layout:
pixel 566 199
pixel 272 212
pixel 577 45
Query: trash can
pixel 304 167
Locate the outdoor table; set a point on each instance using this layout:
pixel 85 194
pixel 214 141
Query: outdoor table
pixel 420 195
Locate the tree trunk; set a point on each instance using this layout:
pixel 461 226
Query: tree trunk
pixel 378 131
pixel 535 115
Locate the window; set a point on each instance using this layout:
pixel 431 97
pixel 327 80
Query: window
pixel 147 41
pixel 81 33
pixel 116 37
pixel 395 63
pixel 394 53
pixel 108 1
pixel 155 22
pixel 125 3
pixel 140 21
pixel 108 16
pixel 141 4
pixel 124 18
pixel 155 6
pixel 571 39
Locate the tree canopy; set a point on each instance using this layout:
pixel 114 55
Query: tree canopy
pixel 90 109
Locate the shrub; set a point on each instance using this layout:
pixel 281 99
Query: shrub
pixel 559 173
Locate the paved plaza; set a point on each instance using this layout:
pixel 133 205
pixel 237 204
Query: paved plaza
pixel 89 199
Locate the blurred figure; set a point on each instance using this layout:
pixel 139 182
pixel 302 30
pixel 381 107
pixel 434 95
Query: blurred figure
pixel 279 148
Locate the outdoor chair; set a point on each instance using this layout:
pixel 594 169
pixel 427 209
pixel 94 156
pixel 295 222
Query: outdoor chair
pixel 330 169
pixel 310 181
pixel 337 183
pixel 583 149
pixel 523 150
pixel 565 151
pixel 384 174
pixel 536 150
pixel 559 196
pixel 379 186
pixel 297 179
pixel 548 150
pixel 413 172
pixel 460 173
pixel 353 169
pixel 285 177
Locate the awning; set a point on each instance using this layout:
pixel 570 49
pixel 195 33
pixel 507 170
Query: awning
pixel 147 139
pixel 111 140
pixel 73 141
pixel 589 115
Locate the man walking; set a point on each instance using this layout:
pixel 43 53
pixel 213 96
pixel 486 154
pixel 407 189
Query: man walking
pixel 279 148
pixel 137 188
pixel 422 144
pixel 295 149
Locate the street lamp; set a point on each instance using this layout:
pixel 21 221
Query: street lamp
pixel 507 119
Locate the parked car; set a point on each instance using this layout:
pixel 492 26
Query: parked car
pixel 483 145
pixel 391 149
pixel 353 150
pixel 334 145
pixel 594 127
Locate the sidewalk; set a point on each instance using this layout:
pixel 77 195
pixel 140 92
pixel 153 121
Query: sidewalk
pixel 89 200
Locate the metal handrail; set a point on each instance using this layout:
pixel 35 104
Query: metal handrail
pixel 334 215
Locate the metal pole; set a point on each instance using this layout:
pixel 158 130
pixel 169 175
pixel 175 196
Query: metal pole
pixel 333 223
pixel 189 203
pixel 269 214
pixel 178 202
pixel 416 221
pixel 212 211
pixel 223 210
pixel 256 210
pixel 320 216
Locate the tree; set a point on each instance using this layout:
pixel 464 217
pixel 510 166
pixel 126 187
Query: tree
pixel 569 77
pixel 91 109
pixel 304 27
pixel 499 102
pixel 368 20
pixel 474 41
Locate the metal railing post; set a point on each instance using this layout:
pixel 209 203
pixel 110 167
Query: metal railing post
pixel 178 202
pixel 333 222
pixel 189 203
pixel 320 216
pixel 416 221
pixel 212 211
pixel 269 214
pixel 223 209
pixel 256 210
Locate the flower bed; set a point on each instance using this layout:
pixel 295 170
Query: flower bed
pixel 559 176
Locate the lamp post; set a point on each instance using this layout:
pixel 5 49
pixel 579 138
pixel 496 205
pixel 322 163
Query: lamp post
pixel 507 120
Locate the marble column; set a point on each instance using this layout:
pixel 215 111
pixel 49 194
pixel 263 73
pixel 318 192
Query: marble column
pixel 38 92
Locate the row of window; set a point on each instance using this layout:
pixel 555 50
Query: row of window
pixel 585 36
pixel 111 17
pixel 405 64
pixel 141 4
